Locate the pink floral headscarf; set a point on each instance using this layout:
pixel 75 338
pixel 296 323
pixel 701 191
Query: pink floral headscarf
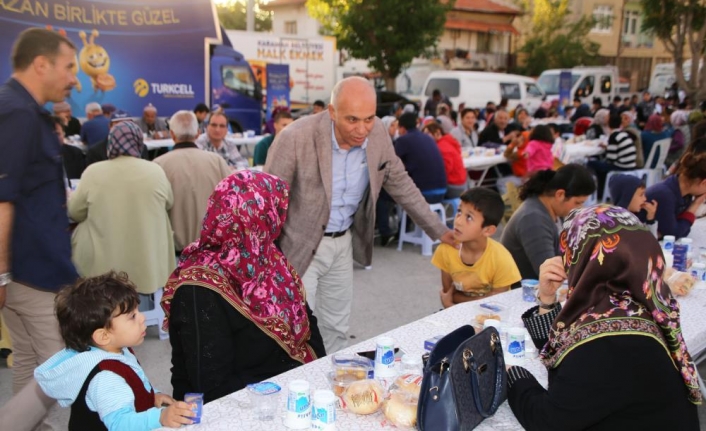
pixel 236 257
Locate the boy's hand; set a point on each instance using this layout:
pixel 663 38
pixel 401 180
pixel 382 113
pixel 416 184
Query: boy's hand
pixel 651 208
pixel 161 400
pixel 447 298
pixel 176 415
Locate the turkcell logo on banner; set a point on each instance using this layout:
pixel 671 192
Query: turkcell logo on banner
pixel 143 88
pixel 129 52
pixel 277 87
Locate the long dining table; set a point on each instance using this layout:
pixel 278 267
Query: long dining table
pixel 234 411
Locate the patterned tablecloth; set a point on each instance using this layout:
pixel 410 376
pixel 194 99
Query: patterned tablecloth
pixel 233 412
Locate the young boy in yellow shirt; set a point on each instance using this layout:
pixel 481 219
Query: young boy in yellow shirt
pixel 481 267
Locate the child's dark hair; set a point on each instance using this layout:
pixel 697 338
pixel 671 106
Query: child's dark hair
pixel 574 179
pixel 487 202
pixel 614 121
pixel 542 133
pixel 555 128
pixel 433 127
pixel 90 304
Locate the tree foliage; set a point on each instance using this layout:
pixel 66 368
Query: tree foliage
pixel 555 41
pixel 680 25
pixel 233 15
pixel 387 33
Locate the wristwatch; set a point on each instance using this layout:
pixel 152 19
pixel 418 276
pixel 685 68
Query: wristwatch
pixel 544 306
pixel 5 279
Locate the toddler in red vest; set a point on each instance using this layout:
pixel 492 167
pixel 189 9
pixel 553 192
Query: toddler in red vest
pixel 98 374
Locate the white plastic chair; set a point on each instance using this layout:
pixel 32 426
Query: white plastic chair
pixel 655 162
pixel 155 316
pixel 417 236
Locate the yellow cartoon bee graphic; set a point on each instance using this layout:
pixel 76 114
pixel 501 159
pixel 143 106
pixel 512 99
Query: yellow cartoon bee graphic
pixel 95 63
pixel 74 69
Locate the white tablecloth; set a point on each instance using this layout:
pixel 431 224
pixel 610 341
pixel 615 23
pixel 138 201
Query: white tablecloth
pixel 233 413
pixel 153 144
pixel 698 233
pixel 577 152
pixel 481 163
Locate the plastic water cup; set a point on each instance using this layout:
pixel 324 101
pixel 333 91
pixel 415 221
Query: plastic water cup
pixel 669 242
pixel 263 398
pixel 529 290
pixel 197 399
pixel 298 405
pixel 385 357
pixel 324 411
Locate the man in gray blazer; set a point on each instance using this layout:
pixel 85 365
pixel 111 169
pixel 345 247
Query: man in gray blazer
pixel 336 162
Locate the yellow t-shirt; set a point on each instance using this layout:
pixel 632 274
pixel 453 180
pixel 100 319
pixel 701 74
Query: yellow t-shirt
pixel 495 268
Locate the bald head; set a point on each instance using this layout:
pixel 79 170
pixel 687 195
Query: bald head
pixel 355 86
pixel 352 110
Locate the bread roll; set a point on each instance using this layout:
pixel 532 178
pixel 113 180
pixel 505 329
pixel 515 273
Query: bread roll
pixel 481 318
pixel 362 397
pixel 409 383
pixel 401 409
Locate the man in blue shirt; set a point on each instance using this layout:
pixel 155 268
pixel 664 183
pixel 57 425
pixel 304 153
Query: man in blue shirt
pixel 422 159
pixel 35 243
pixel 97 127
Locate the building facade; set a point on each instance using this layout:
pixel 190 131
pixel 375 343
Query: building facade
pixel 618 31
pixel 477 34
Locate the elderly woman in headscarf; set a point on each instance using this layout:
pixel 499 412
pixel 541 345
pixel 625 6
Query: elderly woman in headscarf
pixel 599 126
pixel 681 135
pixel 615 352
pixel 235 308
pixel 121 206
pixel 653 132
pixel 390 123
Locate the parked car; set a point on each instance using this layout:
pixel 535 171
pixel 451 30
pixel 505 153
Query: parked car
pixel 388 102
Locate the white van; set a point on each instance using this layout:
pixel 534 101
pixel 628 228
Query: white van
pixel 663 76
pixel 587 82
pixel 476 89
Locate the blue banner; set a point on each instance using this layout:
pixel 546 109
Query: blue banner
pixel 130 53
pixel 277 87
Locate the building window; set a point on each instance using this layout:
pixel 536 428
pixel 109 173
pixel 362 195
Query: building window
pixel 483 42
pixel 603 14
pixel 290 27
pixel 630 24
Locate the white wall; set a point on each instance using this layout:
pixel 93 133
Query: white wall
pixel 306 25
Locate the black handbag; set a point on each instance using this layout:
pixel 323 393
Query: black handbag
pixel 464 381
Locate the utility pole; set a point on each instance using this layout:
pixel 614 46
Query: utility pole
pixel 250 18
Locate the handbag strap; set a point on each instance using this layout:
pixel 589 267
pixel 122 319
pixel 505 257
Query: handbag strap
pixel 497 393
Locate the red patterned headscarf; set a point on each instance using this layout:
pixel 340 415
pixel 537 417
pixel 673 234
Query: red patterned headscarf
pixel 236 257
pixel 615 266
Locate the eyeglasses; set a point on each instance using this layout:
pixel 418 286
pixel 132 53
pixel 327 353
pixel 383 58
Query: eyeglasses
pixel 218 126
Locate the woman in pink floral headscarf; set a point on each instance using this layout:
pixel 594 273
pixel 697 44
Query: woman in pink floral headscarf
pixel 236 309
pixel 615 352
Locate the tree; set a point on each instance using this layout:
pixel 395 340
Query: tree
pixel 555 42
pixel 387 33
pixel 233 14
pixel 680 24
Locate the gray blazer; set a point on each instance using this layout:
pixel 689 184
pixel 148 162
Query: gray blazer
pixel 302 155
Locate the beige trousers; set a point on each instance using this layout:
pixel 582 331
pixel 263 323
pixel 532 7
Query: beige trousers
pixel 34 330
pixel 329 289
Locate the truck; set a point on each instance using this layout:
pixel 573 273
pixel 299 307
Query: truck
pixel 587 83
pixel 172 54
pixel 312 61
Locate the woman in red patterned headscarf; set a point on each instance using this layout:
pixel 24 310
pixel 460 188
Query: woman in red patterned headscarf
pixel 236 309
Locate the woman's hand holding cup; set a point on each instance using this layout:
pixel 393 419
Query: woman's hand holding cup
pixel 551 276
